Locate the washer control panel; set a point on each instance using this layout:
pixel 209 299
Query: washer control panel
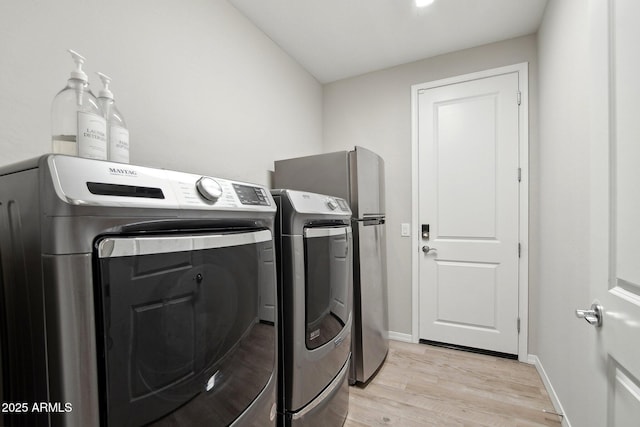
pixel 79 181
pixel 251 195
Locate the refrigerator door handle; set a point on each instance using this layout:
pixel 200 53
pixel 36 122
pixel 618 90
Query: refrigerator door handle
pixel 375 220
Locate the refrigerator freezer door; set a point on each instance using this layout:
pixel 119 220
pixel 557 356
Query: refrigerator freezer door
pixel 367 183
pixel 372 322
pixel 323 174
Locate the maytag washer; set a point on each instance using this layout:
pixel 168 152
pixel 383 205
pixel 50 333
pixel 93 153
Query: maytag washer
pixel 315 281
pixel 135 296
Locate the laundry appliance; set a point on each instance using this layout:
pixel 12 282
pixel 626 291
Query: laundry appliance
pixel 315 279
pixel 135 296
pixel 358 177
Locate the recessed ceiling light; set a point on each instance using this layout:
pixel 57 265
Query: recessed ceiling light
pixel 423 3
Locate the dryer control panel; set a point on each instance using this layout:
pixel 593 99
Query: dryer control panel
pixel 306 202
pixel 80 181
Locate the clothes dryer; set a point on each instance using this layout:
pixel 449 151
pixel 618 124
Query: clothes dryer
pixel 315 281
pixel 136 296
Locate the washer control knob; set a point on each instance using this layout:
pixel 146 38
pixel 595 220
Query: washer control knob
pixel 209 188
pixel 332 204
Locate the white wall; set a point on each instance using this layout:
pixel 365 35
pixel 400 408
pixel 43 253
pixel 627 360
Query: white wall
pixel 201 88
pixel 374 111
pixel 565 345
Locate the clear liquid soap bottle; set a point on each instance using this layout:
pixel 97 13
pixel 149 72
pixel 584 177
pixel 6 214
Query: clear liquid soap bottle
pixel 117 132
pixel 78 127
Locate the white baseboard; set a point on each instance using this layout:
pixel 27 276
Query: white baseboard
pixel 534 360
pixel 398 336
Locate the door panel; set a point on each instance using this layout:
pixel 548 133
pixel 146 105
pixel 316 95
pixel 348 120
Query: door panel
pixel 615 155
pixel 469 195
pixel 478 182
pixel 627 144
pixel 467 293
pixel 626 394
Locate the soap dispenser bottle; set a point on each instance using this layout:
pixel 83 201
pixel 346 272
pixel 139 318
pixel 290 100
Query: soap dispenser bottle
pixel 117 132
pixel 78 127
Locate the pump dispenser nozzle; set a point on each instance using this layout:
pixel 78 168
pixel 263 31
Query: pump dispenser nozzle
pixel 106 81
pixel 79 60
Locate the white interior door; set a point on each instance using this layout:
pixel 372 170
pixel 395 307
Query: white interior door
pixel 468 147
pixel 615 209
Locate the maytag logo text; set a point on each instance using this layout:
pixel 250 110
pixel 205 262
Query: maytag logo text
pixel 123 172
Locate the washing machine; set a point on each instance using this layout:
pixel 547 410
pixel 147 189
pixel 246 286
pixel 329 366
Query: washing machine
pixel 315 292
pixel 135 296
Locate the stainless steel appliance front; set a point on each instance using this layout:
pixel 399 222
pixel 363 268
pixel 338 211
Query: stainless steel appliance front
pixel 132 296
pixel 183 336
pixel 314 251
pixel 358 177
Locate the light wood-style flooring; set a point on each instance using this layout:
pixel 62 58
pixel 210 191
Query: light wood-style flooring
pixel 423 385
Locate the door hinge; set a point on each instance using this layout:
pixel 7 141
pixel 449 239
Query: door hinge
pixel 519 97
pixel 519 250
pixel 519 174
pixel 518 324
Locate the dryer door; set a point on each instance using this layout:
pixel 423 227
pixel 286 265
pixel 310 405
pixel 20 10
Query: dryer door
pixel 187 326
pixel 327 283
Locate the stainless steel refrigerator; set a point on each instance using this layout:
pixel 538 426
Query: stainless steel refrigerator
pixel 358 177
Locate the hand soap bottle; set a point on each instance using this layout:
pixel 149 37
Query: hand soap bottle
pixel 78 127
pixel 117 132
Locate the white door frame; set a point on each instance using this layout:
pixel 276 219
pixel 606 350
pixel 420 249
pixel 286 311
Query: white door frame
pixel 523 264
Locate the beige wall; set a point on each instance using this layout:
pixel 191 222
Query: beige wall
pixel 374 111
pixel 201 88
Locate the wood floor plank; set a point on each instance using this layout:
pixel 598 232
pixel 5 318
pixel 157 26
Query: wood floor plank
pixel 423 385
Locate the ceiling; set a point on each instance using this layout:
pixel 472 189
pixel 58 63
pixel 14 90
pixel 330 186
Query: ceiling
pixel 335 39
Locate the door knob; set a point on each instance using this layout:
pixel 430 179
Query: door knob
pixel 593 316
pixel 426 249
